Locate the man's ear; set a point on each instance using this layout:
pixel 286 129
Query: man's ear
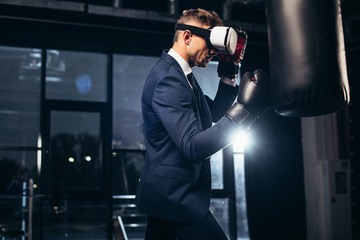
pixel 187 36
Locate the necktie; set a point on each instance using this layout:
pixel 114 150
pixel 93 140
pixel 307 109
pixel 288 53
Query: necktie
pixel 196 88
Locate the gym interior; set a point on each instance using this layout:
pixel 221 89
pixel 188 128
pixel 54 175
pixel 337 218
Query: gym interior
pixel 71 129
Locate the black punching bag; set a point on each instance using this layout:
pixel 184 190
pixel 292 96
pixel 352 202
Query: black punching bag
pixel 307 57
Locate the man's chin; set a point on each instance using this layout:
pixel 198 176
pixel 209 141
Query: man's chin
pixel 203 65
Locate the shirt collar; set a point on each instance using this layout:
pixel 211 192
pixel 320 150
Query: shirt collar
pixel 183 64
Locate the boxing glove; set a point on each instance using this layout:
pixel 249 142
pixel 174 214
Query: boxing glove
pixel 253 99
pixel 229 64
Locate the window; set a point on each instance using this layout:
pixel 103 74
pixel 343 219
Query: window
pixel 19 96
pixel 130 73
pixel 75 151
pixel 17 167
pixel 76 76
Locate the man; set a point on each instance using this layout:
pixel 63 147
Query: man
pixel 175 185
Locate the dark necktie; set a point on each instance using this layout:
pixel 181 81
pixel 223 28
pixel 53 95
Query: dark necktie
pixel 196 88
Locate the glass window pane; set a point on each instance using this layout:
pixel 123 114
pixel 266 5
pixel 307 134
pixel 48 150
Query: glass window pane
pixel 19 96
pixel 11 211
pixel 130 73
pixel 242 140
pixel 127 167
pixel 240 192
pixel 15 168
pixel 216 162
pixel 220 209
pixel 208 78
pixel 75 151
pixel 75 219
pixel 76 76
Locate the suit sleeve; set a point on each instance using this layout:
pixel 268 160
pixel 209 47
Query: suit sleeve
pixel 172 104
pixel 223 100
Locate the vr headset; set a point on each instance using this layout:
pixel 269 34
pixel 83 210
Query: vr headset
pixel 220 38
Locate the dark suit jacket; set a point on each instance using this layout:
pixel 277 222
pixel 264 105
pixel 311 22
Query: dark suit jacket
pixel 176 180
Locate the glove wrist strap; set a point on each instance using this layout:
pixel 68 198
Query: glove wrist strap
pixel 240 116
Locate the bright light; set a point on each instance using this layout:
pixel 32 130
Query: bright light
pixel 39 154
pixel 71 159
pixel 241 141
pixel 87 158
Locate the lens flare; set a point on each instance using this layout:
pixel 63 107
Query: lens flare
pixel 241 140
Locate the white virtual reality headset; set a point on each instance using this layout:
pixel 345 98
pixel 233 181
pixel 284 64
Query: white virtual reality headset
pixel 220 38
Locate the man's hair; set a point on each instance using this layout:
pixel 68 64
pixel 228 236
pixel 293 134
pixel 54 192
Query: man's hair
pixel 201 16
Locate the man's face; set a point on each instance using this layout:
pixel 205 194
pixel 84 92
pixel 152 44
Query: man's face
pixel 199 52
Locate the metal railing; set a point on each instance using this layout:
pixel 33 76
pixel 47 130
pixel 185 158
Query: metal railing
pixel 26 213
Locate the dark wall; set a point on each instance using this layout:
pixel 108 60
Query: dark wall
pixel 350 133
pixel 350 117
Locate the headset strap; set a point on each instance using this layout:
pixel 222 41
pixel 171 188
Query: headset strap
pixel 202 32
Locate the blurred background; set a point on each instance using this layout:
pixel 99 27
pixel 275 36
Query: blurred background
pixel 71 140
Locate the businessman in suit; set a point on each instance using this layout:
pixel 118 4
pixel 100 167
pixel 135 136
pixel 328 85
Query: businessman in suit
pixel 175 186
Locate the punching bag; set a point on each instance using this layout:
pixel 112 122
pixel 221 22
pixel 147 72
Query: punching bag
pixel 307 57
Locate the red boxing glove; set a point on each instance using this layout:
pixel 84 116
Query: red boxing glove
pixel 229 64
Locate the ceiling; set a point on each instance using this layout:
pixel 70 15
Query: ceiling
pixel 160 15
